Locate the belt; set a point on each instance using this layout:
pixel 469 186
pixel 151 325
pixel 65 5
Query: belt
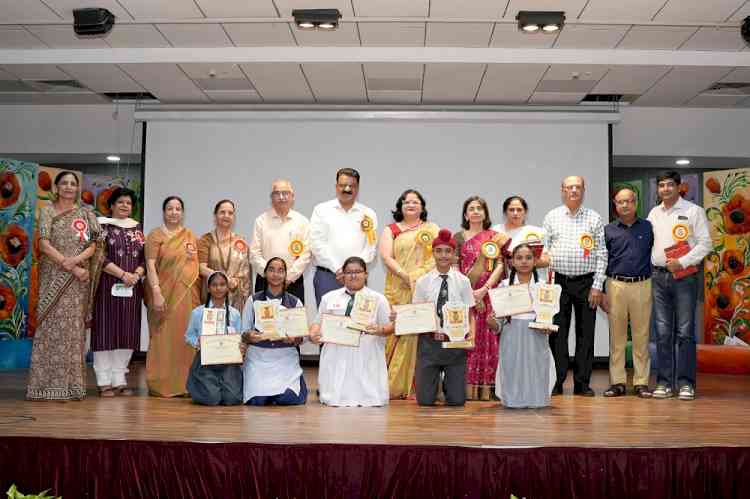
pixel 660 269
pixel 438 336
pixel 573 278
pixel 625 278
pixel 323 269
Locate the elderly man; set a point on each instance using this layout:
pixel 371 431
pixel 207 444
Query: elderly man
pixel 629 241
pixel 575 242
pixel 341 228
pixel 285 233
pixel 681 241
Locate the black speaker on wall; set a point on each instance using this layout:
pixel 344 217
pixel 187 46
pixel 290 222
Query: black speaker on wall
pixel 92 21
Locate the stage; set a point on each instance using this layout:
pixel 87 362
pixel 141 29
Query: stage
pixel 579 447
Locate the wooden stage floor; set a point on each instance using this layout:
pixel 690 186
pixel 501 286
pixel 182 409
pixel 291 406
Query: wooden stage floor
pixel 718 417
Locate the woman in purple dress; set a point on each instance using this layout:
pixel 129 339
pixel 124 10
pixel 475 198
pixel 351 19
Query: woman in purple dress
pixel 116 329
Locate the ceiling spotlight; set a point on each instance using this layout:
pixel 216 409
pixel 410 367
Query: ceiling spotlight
pixel 550 22
pixel 682 162
pixel 113 158
pixel 326 19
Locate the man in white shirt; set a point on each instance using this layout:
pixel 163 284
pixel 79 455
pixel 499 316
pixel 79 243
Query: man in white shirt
pixel 676 221
pixel 284 233
pixel 442 285
pixel 341 228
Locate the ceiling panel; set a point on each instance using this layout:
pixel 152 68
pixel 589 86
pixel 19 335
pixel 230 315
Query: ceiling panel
pixel 392 34
pixel 509 83
pixel 556 98
pixel 260 34
pixel 336 83
pixel 656 37
pixel 590 37
pixel 65 7
pixel 166 81
pixel 219 70
pixel 572 8
pixel 394 97
pixel 36 71
pixel 390 8
pixel 741 14
pixel 680 85
pixel 286 6
pixel 162 9
pixel 393 70
pixel 575 72
pixel 346 35
pixel 509 36
pixel 136 36
pixel 195 35
pixel 451 83
pixel 738 75
pixel 716 100
pixel 234 96
pixel 4 75
pixel 27 10
pixel 279 82
pixel 237 8
pixel 476 9
pixel 629 79
pixel 16 37
pixel 102 78
pixel 53 98
pixel 394 83
pixel 715 39
pixel 631 10
pixel 458 34
pixel 64 37
pixel 698 10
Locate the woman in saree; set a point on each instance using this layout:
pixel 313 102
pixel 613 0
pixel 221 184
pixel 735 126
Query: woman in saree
pixel 223 250
pixel 172 293
pixel 479 251
pixel 70 241
pixel 406 249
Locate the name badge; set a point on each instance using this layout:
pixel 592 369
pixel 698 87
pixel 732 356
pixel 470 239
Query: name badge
pixel 122 291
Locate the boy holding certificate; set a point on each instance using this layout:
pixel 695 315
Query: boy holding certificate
pixel 214 384
pixel 442 286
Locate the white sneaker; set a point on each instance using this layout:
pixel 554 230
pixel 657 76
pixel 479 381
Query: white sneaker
pixel 686 393
pixel 662 392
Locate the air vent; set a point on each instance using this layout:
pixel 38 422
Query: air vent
pixel 610 98
pixel 729 88
pixel 129 96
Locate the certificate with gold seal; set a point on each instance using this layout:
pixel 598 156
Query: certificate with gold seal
pixel 337 329
pixel 415 318
pixel 220 349
pixel 266 319
pixel 213 321
pixel 363 311
pixel 456 325
pixel 511 300
pixel 292 322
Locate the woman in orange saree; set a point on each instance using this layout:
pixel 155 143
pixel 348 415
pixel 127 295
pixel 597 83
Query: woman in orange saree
pixel 173 292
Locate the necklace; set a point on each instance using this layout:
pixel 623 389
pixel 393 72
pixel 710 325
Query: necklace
pixel 412 227
pixel 169 232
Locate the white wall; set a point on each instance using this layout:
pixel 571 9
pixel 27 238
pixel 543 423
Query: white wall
pixel 647 131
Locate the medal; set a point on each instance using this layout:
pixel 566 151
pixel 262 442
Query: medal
pixel 190 249
pixel 240 246
pixel 425 239
pixel 680 232
pixel 533 236
pixel 296 248
pixel 79 225
pixel 368 227
pixel 587 243
pixel 491 251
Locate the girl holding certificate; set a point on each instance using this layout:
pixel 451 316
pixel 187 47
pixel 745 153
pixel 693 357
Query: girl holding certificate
pixel 272 373
pixel 526 369
pixel 219 384
pixel 354 375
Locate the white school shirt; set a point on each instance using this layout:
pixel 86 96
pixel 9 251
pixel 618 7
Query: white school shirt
pixel 685 213
pixel 427 288
pixel 336 234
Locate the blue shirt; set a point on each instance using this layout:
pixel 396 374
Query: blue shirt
pixel 196 319
pixel 629 248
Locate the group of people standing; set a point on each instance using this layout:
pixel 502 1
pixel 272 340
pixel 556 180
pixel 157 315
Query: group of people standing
pixel 104 267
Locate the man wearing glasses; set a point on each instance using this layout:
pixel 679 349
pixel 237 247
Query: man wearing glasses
pixel 575 241
pixel 629 241
pixel 285 233
pixel 341 228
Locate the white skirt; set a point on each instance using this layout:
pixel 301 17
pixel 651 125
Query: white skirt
pixel 354 376
pixel 270 371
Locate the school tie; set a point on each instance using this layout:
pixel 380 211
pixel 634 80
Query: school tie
pixel 349 305
pixel 442 297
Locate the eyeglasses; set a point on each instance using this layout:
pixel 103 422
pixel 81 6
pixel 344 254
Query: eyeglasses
pixel 353 273
pixel 281 194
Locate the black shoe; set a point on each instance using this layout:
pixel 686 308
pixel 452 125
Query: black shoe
pixel 557 390
pixel 584 391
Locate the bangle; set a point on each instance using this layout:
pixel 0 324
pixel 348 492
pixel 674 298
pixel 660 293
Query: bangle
pixel 122 275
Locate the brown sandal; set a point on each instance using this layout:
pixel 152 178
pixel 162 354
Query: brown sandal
pixel 123 391
pixel 106 391
pixel 616 390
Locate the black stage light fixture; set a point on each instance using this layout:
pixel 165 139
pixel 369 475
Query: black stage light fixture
pixel 92 21
pixel 745 30
pixel 530 21
pixel 326 19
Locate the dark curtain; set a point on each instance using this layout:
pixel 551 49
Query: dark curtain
pixel 79 469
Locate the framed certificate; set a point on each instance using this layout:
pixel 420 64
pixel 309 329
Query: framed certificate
pixel 214 321
pixel 266 319
pixel 220 349
pixel 337 329
pixel 546 304
pixel 456 321
pixel 363 311
pixel 293 322
pixel 511 300
pixel 415 318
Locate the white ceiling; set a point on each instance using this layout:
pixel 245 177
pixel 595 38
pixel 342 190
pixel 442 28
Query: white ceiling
pixel 655 27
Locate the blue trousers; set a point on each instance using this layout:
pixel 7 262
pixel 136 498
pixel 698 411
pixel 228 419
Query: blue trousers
pixel 286 398
pixel 323 282
pixel 674 302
